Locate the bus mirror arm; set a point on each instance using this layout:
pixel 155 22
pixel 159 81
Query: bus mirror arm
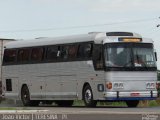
pixel 155 55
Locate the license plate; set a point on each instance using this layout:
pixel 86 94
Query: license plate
pixel 135 94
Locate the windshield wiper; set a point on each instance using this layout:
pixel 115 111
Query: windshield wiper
pixel 126 64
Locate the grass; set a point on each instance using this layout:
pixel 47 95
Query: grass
pixel 81 103
pixel 152 103
pixel 7 108
pixel 78 103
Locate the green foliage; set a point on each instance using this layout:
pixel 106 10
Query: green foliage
pixel 158 102
pixel 153 103
pixel 150 103
pixel 7 108
pixel 78 103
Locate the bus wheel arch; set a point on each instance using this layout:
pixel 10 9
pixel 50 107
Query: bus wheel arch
pixel 87 96
pixel 25 97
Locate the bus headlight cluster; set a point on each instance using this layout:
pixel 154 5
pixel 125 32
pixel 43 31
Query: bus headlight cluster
pixel 118 85
pixel 158 85
pixel 109 85
pixel 150 85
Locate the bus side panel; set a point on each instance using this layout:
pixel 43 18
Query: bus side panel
pixel 10 83
pixel 87 74
pixel 68 79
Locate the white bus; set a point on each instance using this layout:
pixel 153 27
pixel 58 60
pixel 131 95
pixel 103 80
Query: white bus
pixel 112 66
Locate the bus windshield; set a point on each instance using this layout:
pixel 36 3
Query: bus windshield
pixel 129 55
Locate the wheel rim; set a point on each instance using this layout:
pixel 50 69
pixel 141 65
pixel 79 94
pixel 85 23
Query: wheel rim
pixel 88 96
pixel 25 96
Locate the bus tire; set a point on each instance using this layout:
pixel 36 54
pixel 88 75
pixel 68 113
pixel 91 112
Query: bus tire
pixel 64 103
pixel 132 103
pixel 88 97
pixel 25 97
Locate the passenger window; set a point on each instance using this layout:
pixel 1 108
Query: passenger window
pixel 85 50
pixel 72 51
pixel 23 55
pixel 10 56
pixel 37 54
pixel 53 53
pixel 64 52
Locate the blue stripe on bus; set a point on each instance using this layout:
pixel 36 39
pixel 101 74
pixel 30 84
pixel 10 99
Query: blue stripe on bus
pixel 135 98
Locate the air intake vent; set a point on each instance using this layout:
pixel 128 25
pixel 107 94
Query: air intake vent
pixel 8 85
pixel 119 34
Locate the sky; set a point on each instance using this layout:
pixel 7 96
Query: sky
pixel 29 19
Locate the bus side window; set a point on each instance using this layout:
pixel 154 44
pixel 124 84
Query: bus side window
pixel 97 57
pixel 37 54
pixel 85 50
pixel 23 55
pixel 10 56
pixel 53 53
pixel 72 51
pixel 64 52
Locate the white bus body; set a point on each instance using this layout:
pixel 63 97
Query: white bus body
pixel 81 67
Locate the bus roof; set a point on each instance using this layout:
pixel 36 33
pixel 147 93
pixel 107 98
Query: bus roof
pixel 96 37
pixel 50 41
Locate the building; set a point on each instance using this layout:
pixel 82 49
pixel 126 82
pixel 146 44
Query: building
pixel 2 42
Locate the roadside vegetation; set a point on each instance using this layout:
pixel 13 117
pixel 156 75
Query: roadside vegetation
pixel 80 103
pixel 152 103
pixel 7 108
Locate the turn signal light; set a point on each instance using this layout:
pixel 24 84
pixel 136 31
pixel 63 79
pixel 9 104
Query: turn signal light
pixel 158 85
pixel 109 85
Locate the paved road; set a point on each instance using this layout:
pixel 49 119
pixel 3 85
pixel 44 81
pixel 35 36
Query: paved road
pixel 82 113
pixel 97 110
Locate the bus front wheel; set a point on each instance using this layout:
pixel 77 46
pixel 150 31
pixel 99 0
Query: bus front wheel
pixel 132 103
pixel 88 97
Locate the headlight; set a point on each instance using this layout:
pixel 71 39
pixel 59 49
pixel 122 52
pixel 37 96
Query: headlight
pixel 158 85
pixel 109 85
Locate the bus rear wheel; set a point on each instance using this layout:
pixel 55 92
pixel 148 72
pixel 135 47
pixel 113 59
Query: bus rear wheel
pixel 88 97
pixel 25 97
pixel 132 103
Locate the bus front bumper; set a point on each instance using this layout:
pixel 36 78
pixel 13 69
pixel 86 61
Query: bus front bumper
pixel 138 95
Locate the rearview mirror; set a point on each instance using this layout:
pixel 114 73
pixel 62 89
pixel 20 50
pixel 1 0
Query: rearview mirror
pixel 155 55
